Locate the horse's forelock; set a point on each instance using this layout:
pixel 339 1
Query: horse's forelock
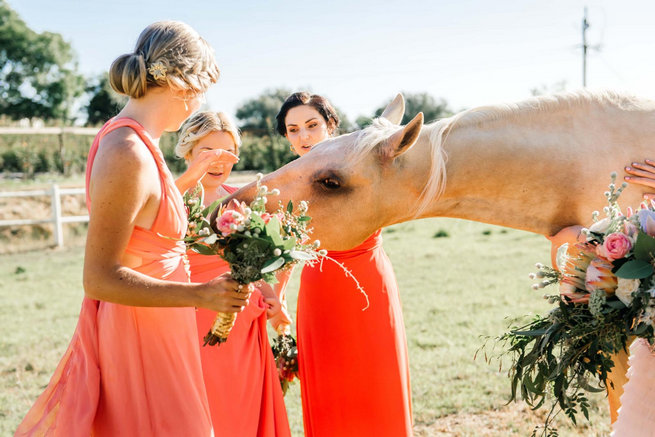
pixel 365 140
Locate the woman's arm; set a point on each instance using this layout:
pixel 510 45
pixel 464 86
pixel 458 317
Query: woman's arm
pixel 199 166
pixel 126 192
pixel 276 299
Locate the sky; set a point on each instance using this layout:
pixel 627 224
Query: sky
pixel 360 53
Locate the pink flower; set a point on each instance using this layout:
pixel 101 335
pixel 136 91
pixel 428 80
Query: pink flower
pixel 629 212
pixel 266 217
pixel 228 222
pixel 600 276
pixel 615 246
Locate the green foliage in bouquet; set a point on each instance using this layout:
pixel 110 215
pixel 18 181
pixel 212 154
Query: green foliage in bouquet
pixel 256 244
pixel 607 285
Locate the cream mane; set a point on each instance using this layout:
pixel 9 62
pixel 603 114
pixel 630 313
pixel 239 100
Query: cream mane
pixel 380 129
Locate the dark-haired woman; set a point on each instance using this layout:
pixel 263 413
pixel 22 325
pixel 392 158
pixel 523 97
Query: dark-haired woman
pixel 353 362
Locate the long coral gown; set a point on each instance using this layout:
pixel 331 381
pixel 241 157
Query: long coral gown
pixel 245 397
pixel 637 412
pixel 354 368
pixel 131 371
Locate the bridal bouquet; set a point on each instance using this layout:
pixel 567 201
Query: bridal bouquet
pixel 253 242
pixel 606 297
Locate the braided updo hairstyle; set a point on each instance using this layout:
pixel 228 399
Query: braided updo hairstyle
pixel 186 60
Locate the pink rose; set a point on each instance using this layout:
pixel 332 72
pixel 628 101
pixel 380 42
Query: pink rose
pixel 228 222
pixel 616 246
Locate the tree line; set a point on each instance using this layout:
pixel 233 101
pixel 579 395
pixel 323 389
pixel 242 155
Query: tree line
pixel 39 80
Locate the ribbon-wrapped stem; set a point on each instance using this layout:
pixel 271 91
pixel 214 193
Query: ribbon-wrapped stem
pixel 223 323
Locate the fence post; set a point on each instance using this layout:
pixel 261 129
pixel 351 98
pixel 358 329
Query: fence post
pixel 56 216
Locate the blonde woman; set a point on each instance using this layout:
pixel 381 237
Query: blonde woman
pixel 245 397
pixel 133 365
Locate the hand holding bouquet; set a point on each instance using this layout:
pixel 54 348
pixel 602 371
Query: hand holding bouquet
pixel 253 242
pixel 606 297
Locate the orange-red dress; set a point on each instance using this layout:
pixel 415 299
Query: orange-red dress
pixel 245 397
pixel 354 369
pixel 131 371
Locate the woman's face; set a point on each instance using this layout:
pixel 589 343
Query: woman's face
pixel 306 127
pixel 217 173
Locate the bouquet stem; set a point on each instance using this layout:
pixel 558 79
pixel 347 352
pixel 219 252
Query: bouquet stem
pixel 223 324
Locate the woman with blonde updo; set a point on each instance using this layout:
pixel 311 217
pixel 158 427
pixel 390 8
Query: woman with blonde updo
pixel 245 397
pixel 133 365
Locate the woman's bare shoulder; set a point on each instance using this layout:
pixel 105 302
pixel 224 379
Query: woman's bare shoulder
pixel 125 144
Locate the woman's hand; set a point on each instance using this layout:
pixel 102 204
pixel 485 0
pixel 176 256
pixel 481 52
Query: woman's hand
pixel 222 294
pixel 201 164
pixel 642 174
pixel 273 306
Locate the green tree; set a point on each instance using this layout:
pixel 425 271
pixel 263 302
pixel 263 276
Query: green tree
pixel 257 117
pixel 432 108
pixel 38 71
pixel 104 102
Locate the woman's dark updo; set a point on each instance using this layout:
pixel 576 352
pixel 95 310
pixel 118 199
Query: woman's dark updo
pixel 320 103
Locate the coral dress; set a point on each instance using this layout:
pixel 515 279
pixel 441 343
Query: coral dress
pixel 245 397
pixel 131 371
pixel 354 368
pixel 637 412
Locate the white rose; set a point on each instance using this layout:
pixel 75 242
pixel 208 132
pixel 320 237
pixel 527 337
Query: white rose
pixel 625 289
pixel 600 227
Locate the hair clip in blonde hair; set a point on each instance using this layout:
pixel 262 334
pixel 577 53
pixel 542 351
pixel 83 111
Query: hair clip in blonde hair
pixel 157 70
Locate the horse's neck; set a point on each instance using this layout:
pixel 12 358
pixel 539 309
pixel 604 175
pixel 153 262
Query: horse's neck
pixel 539 173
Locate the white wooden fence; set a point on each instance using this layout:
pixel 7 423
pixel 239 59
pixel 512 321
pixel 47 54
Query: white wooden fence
pixel 57 218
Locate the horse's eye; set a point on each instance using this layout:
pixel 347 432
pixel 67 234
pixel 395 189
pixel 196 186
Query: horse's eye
pixel 329 183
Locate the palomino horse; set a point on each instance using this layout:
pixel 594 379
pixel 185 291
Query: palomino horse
pixel 537 165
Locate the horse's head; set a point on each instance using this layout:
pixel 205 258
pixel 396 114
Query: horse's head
pixel 354 183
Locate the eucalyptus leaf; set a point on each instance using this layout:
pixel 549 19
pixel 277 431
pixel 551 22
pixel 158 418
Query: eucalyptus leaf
pixel 300 255
pixel 289 243
pixel 644 247
pixel 635 269
pixel 211 207
pixel 272 265
pixel 256 222
pixel 203 250
pixel 211 239
pixel 273 230
pixel 290 207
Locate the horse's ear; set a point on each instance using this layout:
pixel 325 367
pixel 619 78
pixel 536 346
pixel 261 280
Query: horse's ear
pixel 401 141
pixel 395 110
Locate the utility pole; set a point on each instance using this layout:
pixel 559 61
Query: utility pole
pixel 585 47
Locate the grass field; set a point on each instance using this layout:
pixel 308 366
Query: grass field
pixel 456 289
